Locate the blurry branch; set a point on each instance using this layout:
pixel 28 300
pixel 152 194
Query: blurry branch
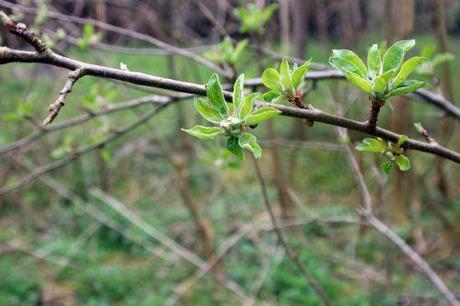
pixel 244 231
pixel 81 151
pixel 136 51
pixel 293 256
pixel 165 240
pixel 127 32
pixel 108 109
pixel 425 134
pixel 310 145
pixel 8 55
pixel 365 211
pixel 91 210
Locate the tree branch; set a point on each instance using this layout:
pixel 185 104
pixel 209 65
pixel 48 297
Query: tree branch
pixel 293 256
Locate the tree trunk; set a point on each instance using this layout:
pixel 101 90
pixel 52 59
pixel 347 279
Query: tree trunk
pixel 439 17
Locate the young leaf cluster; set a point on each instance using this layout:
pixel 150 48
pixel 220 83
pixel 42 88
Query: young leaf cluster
pixel 433 60
pixel 89 37
pixel 393 153
pixel 253 19
pixel 385 75
pixel 226 52
pixel 230 119
pixel 285 83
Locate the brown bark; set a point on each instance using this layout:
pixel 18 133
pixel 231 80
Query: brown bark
pixel 346 24
pixel 279 176
pixel 439 17
pixel 321 20
pixel 202 225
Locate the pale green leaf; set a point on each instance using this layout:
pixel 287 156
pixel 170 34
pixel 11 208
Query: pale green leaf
pixel 299 75
pixel 403 162
pixel 204 132
pixel 272 79
pixel 238 94
pixel 374 61
pixel 247 106
pixel 395 54
pixel 240 47
pixel 249 142
pixel 344 65
pixel 375 145
pixel 363 84
pixel 260 115
pixel 407 87
pixel 380 83
pixel 406 69
pixel 203 107
pixel 285 72
pixel 353 59
pixel 216 96
pixel 442 58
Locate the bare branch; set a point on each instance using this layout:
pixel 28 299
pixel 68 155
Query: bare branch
pixel 293 256
pixel 108 27
pixel 369 217
pixel 55 107
pixel 108 109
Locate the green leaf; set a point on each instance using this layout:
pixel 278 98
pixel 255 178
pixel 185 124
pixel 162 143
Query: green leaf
pixel 395 54
pixel 238 94
pixel 375 145
pixel 403 162
pixel 203 107
pixel 353 60
pixel 247 106
pixel 249 142
pixel 386 167
pixel 402 139
pixel 215 95
pixel 380 83
pixel 272 79
pixel 406 69
pixel 270 95
pixel 299 75
pixel 374 61
pixel 407 87
pixel 204 132
pixel 285 72
pixel 234 147
pixel 239 49
pixel 442 58
pixel 359 82
pixel 260 115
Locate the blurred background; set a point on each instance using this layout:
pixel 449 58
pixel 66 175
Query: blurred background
pixel 89 216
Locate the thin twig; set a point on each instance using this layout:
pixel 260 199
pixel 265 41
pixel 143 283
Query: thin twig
pixel 293 256
pixel 367 214
pixel 55 107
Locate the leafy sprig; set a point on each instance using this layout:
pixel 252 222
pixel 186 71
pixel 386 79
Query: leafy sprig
pixel 253 19
pixel 285 83
pixel 433 60
pixel 393 152
pixel 230 120
pixel 385 75
pixel 227 52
